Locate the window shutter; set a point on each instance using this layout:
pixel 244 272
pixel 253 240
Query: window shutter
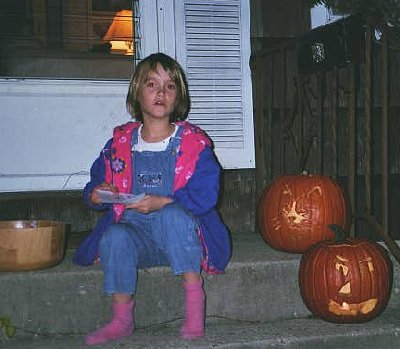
pixel 212 42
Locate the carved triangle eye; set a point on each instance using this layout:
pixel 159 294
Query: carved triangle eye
pixel 346 289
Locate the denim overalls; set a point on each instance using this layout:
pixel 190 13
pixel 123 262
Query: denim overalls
pixel 164 237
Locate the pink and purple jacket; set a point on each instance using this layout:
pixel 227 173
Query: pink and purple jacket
pixel 196 187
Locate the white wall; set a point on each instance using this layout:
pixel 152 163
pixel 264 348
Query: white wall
pixel 51 131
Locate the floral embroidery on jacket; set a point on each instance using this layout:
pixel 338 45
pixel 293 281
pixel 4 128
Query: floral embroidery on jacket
pixel 118 165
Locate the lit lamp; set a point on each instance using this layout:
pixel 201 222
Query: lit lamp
pixel 120 33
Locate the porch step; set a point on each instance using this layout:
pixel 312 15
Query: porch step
pixel 301 333
pixel 255 304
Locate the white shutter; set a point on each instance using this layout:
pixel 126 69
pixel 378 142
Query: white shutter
pixel 213 46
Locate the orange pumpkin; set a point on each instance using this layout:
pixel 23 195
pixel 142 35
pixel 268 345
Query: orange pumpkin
pixel 346 281
pixel 295 211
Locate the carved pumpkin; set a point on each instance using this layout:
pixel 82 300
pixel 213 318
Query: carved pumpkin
pixel 295 211
pixel 346 281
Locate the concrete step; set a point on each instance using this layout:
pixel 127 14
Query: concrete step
pixel 257 295
pixel 302 333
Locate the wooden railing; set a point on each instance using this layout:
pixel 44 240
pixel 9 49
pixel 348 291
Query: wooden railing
pixel 343 122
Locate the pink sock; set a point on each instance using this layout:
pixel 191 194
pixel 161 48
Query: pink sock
pixel 193 326
pixel 120 326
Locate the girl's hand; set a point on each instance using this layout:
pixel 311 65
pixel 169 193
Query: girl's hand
pixel 94 197
pixel 150 203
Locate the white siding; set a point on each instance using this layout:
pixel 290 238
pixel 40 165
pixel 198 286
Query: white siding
pixel 51 131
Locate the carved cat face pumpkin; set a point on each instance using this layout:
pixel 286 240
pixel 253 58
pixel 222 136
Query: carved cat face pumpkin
pixel 347 281
pixel 295 211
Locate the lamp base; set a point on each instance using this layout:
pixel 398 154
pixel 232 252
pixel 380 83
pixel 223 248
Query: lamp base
pixel 121 47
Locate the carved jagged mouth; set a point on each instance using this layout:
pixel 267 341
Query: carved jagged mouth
pixel 352 308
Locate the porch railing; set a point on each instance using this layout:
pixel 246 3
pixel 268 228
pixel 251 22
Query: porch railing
pixel 343 122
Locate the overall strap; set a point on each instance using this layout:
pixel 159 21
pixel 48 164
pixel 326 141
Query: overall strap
pixel 175 141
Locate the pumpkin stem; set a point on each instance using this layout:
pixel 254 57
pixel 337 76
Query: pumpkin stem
pixel 340 234
pixel 306 153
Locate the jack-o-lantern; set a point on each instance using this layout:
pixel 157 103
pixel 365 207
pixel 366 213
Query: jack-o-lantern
pixel 346 281
pixel 295 211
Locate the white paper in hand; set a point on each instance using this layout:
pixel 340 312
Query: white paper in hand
pixel 109 197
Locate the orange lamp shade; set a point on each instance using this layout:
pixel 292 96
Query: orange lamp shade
pixel 120 33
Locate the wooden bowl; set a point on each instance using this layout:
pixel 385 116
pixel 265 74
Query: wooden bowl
pixel 30 245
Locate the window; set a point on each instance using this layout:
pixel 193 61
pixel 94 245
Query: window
pixel 68 39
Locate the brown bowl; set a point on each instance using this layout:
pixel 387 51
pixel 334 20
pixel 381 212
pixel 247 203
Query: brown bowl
pixel 31 245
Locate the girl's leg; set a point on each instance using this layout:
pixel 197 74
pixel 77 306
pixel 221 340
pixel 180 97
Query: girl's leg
pixel 181 245
pixel 122 252
pixel 115 246
pixel 175 232
pixel 120 326
pixel 191 277
pixel 193 326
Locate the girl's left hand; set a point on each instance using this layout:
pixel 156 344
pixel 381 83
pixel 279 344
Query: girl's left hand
pixel 150 203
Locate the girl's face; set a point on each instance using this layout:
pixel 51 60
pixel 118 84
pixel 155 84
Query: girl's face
pixel 157 95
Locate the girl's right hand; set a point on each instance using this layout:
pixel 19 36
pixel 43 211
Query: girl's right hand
pixel 94 197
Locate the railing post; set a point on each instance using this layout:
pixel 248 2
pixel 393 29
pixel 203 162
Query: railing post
pixel 367 105
pixel 385 153
pixel 352 142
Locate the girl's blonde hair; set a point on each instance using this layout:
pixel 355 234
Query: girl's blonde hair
pixel 177 75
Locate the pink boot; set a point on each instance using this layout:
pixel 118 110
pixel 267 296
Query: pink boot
pixel 120 326
pixel 193 326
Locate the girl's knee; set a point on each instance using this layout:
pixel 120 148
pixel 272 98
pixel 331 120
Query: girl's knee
pixel 179 228
pixel 175 214
pixel 172 209
pixel 117 247
pixel 115 235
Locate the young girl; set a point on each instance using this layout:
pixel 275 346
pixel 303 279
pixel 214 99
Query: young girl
pixel 172 162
